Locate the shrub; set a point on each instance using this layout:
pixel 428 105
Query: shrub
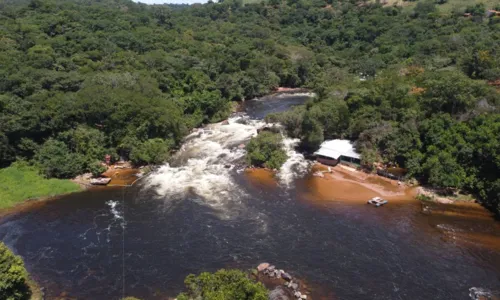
pixel 223 284
pixel 422 197
pixel 96 168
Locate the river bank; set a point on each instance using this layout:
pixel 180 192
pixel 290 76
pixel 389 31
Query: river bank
pixel 434 195
pixel 21 182
pixel 41 190
pixel 339 183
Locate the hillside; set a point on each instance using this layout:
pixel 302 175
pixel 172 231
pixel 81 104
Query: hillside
pixel 81 79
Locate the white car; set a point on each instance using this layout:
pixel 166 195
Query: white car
pixel 377 201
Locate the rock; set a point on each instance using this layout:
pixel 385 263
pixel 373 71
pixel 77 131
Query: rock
pixel 319 174
pixel 297 295
pixel 277 273
pixel 286 276
pixel 279 293
pixel 271 268
pixel 225 122
pixel 294 286
pixel 303 297
pixel 262 267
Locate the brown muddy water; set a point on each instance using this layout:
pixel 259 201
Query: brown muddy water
pixel 203 212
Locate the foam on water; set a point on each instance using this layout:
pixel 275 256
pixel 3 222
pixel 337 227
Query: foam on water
pixel 296 164
pixel 116 214
pixel 478 293
pixel 206 164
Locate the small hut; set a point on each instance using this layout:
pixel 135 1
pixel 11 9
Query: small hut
pixel 332 152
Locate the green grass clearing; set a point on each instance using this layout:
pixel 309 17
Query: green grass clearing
pixel 448 7
pixel 20 182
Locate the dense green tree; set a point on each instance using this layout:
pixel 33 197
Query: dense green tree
pixel 13 276
pixel 87 141
pixel 56 160
pixel 444 171
pixel 152 151
pixel 266 150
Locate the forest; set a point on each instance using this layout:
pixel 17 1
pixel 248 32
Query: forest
pixel 416 86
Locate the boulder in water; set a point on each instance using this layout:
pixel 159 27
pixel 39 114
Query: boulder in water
pixel 303 297
pixel 271 268
pixel 294 286
pixel 286 276
pixel 262 267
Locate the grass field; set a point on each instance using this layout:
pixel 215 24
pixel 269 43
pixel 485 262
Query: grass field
pixel 20 182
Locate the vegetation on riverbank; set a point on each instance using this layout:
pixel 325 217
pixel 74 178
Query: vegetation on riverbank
pixel 442 126
pixel 266 150
pixel 21 181
pixel 14 279
pixel 223 284
pixel 415 86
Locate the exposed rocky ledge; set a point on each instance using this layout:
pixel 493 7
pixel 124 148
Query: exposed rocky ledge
pixel 287 287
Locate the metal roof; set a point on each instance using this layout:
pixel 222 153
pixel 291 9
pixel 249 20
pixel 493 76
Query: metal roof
pixel 336 148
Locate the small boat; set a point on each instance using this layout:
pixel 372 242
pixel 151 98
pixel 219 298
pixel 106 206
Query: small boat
pixel 100 181
pixel 377 201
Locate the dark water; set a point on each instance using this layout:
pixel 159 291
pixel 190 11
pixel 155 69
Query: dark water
pixel 104 243
pixel 259 108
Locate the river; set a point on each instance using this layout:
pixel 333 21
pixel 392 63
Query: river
pixel 203 212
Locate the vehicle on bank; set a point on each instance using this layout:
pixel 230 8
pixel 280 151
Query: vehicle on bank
pixel 377 201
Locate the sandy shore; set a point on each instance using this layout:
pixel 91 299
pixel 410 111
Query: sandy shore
pixel 342 183
pixel 339 183
pixel 120 176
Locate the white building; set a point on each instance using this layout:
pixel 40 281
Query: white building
pixel 332 152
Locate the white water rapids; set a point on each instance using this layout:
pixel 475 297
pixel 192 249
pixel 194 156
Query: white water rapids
pixel 209 159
